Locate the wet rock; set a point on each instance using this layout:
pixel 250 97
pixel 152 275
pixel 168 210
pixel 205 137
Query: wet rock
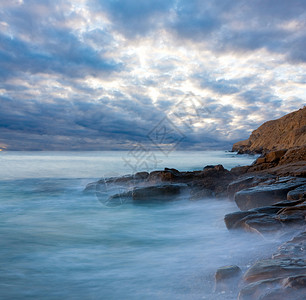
pixel 258 290
pixel 214 178
pixel 127 194
pixel 295 282
pixel 227 278
pixel 240 170
pixel 296 169
pixel 274 268
pixel 161 192
pixel 294 214
pixel 296 248
pixel 141 175
pixel 90 187
pixel 282 277
pixel 232 219
pixel 261 224
pixel 298 193
pixel 236 220
pixel 270 210
pixel 118 180
pixel 158 176
pixel 175 172
pixel 266 194
pixel 214 167
pixel 247 182
pixel 278 288
pixel 288 203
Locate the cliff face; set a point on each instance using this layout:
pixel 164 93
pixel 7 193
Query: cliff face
pixel 284 133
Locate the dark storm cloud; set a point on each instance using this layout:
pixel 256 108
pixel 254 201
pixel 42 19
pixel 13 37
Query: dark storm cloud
pixel 66 56
pixel 133 17
pixel 104 123
pixel 224 25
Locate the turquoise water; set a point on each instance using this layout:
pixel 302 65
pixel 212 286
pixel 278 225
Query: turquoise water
pixel 58 243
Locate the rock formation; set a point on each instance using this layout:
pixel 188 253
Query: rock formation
pixel 271 196
pixel 284 133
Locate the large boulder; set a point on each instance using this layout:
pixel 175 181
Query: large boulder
pixel 266 194
pixel 274 156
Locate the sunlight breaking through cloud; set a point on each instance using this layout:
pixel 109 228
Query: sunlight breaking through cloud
pixel 108 72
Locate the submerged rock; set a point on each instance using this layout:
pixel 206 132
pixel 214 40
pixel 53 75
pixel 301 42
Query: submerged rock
pixel 227 278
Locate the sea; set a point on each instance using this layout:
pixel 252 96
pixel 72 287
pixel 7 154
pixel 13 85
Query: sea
pixel 57 242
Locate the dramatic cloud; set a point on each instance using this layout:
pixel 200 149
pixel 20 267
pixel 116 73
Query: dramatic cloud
pixel 104 74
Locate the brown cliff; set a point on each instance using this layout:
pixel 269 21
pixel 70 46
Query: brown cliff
pixel 284 133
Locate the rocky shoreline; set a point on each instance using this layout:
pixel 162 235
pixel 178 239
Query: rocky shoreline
pixel 271 200
pixel 271 196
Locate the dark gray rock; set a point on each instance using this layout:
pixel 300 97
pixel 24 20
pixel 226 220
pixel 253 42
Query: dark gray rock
pixel 232 219
pixel 160 192
pixel 297 194
pixel 266 194
pixel 141 175
pixel 247 182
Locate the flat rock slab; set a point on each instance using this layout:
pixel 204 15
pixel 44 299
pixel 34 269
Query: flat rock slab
pixel 275 268
pixel 246 182
pixel 262 224
pixel 290 288
pixel 266 194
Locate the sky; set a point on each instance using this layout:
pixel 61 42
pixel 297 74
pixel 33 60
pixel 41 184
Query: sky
pixel 119 74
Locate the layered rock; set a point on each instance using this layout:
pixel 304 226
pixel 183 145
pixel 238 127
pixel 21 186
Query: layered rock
pixel 281 160
pixel 281 277
pixel 165 184
pixel 263 195
pixel 284 133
